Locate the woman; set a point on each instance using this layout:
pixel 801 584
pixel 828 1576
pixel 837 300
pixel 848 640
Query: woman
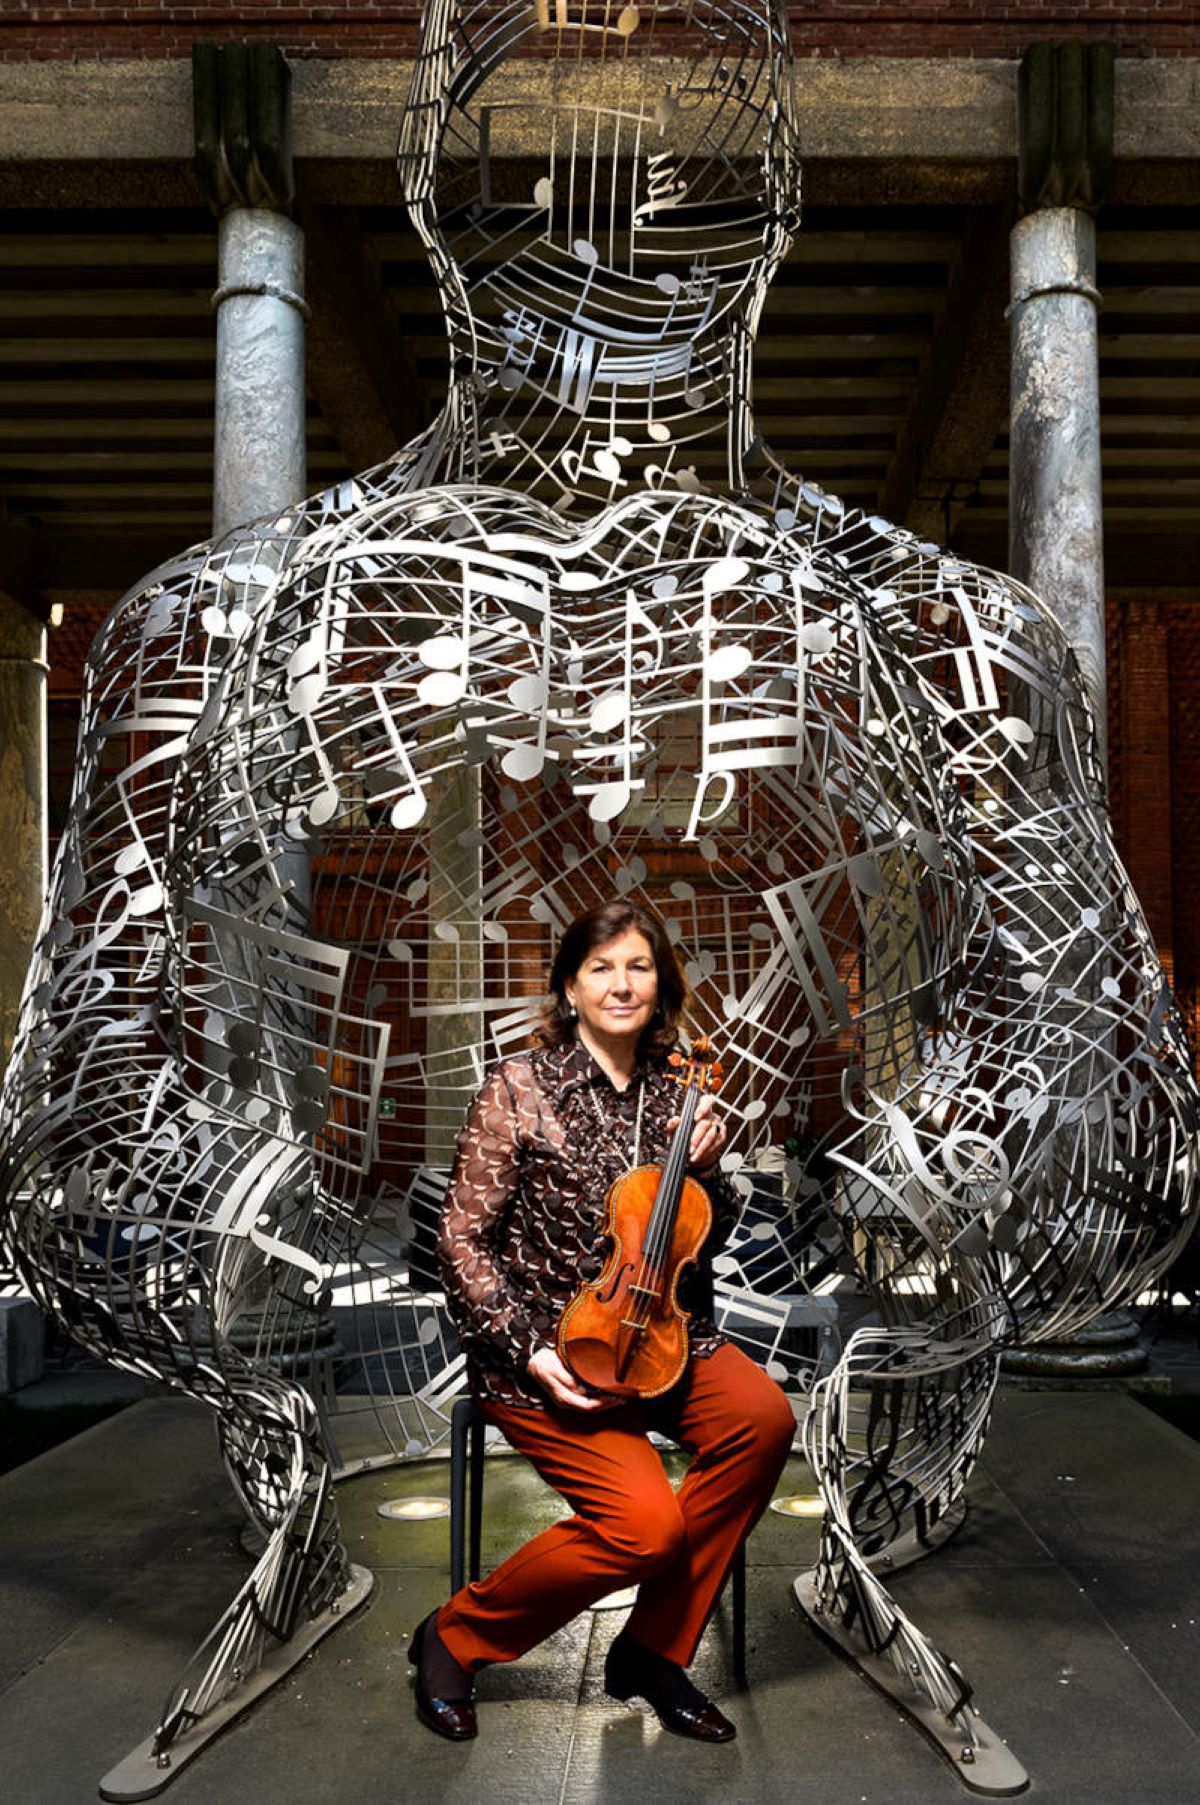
pixel 548 1133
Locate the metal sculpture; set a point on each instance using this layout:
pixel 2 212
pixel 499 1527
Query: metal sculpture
pixel 587 634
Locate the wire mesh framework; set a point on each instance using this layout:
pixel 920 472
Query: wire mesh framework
pixel 381 749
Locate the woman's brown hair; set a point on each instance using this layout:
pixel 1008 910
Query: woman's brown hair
pixel 597 927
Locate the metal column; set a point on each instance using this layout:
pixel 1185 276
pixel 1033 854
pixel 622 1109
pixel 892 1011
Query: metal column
pixel 1055 522
pixel 258 452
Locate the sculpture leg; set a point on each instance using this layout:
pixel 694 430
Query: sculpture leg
pixel 891 1437
pixel 301 1586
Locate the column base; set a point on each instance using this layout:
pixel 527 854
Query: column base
pixel 1107 1349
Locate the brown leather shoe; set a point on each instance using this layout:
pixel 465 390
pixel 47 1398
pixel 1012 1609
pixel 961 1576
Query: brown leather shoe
pixel 453 1718
pixel 681 1707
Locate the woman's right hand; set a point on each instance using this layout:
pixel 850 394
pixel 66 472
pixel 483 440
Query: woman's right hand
pixel 556 1378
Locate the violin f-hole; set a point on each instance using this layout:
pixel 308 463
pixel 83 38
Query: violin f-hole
pixel 606 1296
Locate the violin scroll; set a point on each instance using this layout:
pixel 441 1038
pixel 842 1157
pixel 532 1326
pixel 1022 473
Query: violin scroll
pixel 700 1069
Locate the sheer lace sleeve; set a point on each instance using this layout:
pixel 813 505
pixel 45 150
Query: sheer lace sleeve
pixel 493 1324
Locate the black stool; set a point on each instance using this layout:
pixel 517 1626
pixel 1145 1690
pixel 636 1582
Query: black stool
pixel 467 1425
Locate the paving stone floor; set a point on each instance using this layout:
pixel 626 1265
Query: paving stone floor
pixel 1071 1598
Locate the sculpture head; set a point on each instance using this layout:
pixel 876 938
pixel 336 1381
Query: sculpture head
pixel 610 279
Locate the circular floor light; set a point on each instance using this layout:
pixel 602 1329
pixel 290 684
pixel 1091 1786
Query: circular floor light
pixel 800 1504
pixel 414 1510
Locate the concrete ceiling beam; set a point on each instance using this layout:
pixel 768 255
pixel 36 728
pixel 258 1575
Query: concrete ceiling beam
pixel 891 109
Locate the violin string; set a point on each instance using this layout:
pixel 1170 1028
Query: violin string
pixel 606 1134
pixel 655 1249
pixel 673 1173
pixel 672 1176
pixel 659 1240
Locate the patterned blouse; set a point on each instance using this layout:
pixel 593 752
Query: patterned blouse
pixel 522 1224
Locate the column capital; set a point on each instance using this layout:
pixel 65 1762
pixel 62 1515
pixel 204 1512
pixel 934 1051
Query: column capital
pixel 242 118
pixel 22 632
pixel 1065 125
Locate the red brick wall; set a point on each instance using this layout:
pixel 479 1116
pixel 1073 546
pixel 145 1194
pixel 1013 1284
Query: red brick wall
pixel 1154 786
pixel 36 29
pixel 1182 621
pixel 1144 753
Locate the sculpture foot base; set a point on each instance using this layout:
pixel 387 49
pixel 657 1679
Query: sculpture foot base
pixel 977 1755
pixel 140 1776
pixel 909 1548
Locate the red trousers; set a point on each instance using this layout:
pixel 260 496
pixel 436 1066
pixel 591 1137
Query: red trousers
pixel 630 1527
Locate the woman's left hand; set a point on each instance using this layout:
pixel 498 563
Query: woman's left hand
pixel 708 1135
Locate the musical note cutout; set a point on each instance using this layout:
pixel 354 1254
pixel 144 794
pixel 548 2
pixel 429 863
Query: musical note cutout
pixel 734 734
pixel 612 713
pixel 666 186
pixel 292 990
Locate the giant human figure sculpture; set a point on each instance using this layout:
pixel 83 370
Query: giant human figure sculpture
pixel 584 634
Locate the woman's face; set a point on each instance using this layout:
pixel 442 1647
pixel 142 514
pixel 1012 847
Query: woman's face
pixel 616 988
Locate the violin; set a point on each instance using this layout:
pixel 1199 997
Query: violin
pixel 626 1332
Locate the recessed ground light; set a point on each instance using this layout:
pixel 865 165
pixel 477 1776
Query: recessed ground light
pixel 414 1510
pixel 799 1505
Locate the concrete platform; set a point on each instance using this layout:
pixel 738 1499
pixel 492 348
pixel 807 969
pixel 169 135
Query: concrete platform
pixel 1071 1599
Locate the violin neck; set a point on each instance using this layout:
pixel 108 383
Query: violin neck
pixel 660 1228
